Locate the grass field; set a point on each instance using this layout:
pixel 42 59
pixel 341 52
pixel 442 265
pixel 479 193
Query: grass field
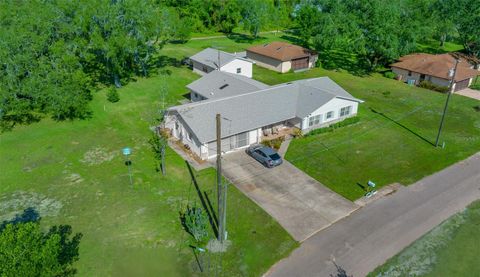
pixel 450 249
pixel 74 173
pixel 393 140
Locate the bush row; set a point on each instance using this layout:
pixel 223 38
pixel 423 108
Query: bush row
pixel 331 128
pixel 431 86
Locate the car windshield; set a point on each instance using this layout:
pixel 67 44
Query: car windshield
pixel 275 157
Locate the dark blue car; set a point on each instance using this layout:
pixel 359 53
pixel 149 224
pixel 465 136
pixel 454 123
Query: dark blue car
pixel 265 155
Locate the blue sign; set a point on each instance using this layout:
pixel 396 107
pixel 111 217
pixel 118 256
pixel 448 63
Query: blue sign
pixel 126 151
pixel 371 184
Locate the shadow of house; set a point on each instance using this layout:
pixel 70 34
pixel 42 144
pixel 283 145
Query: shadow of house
pixel 333 59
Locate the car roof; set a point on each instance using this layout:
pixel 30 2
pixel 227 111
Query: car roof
pixel 267 150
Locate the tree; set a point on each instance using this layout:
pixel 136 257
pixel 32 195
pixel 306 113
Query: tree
pixel 308 17
pixel 229 16
pixel 27 251
pixel 255 15
pixel 40 73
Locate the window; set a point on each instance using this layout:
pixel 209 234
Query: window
pixel 239 70
pixel 329 115
pixel 345 111
pixel 314 120
pixel 409 73
pixel 204 68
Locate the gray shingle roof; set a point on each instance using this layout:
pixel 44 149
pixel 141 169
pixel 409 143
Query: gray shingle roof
pixel 209 56
pixel 219 84
pixel 260 108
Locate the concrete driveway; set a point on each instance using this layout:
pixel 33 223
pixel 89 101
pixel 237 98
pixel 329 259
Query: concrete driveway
pixel 298 202
pixel 471 93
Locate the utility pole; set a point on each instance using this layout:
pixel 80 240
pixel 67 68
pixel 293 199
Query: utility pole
pixel 221 190
pixel 452 82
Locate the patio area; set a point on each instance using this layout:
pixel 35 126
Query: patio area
pixel 278 131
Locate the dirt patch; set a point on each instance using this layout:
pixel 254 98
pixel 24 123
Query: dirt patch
pixel 98 155
pixel 17 202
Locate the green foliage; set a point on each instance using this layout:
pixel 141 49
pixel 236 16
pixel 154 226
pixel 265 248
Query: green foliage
pixel 195 222
pixel 333 127
pixel 274 143
pixel 389 75
pixel 27 251
pixel 112 95
pixel 256 15
pixel 432 86
pixel 51 58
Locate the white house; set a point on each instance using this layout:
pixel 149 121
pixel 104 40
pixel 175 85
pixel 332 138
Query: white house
pixel 247 117
pixel 211 59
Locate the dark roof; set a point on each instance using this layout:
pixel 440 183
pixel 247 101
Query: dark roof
pixel 436 65
pixel 281 51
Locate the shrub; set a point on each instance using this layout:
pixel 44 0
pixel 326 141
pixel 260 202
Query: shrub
pixel 389 75
pixel 475 86
pixel 477 108
pixel 112 95
pixel 274 143
pixel 195 222
pixel 331 128
pixel 432 86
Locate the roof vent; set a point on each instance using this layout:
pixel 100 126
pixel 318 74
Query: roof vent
pixel 224 86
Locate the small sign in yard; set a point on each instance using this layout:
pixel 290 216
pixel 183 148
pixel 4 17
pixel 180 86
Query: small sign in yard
pixel 126 152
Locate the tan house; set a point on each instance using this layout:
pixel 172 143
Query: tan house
pixel 282 56
pixel 436 69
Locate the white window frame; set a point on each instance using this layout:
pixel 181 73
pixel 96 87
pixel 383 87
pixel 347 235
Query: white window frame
pixel 314 120
pixel 329 115
pixel 345 111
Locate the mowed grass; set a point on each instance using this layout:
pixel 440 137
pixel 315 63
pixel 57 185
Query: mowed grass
pixel 392 143
pixel 450 249
pixel 74 173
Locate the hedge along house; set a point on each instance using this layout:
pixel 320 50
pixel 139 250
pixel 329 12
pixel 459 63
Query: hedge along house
pixel 211 59
pixel 416 68
pixel 282 56
pixel 246 118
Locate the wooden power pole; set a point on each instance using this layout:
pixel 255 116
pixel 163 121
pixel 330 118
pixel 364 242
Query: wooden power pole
pixel 221 189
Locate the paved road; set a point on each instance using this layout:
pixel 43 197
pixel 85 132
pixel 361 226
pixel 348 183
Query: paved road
pixel 298 202
pixel 371 235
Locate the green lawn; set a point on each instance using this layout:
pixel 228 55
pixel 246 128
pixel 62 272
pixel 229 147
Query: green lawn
pixel 450 249
pixel 74 173
pixel 393 140
pixel 433 47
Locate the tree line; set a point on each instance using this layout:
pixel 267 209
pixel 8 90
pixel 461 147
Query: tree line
pixel 54 52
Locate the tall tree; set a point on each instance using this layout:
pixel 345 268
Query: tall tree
pixel 255 15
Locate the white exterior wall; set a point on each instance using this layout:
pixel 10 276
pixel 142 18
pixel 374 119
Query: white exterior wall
pixel 253 137
pixel 333 105
pixel 245 66
pixel 286 66
pixel 416 76
pixel 312 61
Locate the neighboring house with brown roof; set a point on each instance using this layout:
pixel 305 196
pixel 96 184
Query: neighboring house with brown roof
pixel 416 68
pixel 282 56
